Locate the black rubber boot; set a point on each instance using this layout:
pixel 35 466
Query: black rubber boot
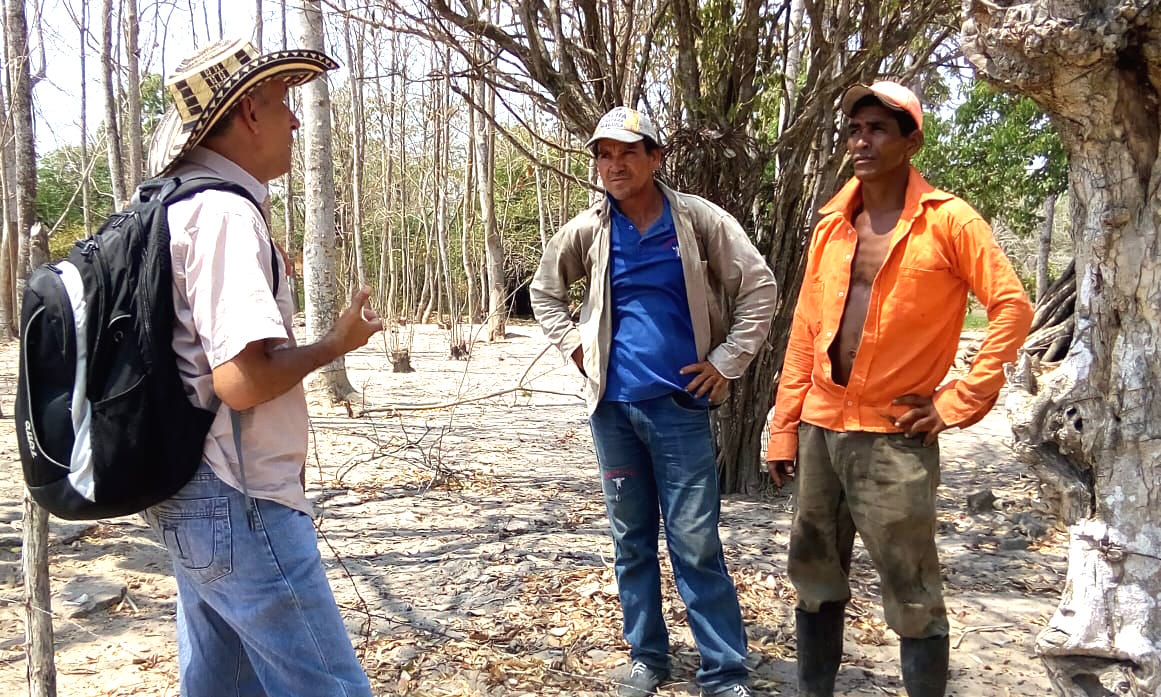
pixel 924 666
pixel 820 648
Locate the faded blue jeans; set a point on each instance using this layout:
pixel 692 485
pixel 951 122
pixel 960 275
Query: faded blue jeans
pixel 255 614
pixel 657 464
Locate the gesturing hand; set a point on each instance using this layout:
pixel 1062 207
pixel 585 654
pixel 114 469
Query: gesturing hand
pixel 707 381
pixel 922 418
pixel 356 325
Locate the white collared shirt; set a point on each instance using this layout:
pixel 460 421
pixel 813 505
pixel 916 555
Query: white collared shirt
pixel 223 301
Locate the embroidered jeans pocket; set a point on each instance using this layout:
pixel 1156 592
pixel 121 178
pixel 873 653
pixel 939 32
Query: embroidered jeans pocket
pixel 197 534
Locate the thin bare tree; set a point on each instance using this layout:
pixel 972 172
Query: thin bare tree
pixel 134 131
pixel 112 121
pixel 320 241
pixel 41 669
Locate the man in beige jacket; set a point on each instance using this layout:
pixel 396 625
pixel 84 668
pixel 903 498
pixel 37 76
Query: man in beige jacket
pixel 658 352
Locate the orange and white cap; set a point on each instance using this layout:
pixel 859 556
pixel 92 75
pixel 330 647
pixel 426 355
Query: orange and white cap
pixel 891 94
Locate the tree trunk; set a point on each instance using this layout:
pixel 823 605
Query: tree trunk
pixel 19 59
pixel 485 143
pixel 469 224
pixel 320 243
pixel 258 22
pixel 83 87
pixel 112 128
pixel 135 128
pixel 358 131
pixel 427 295
pixel 1045 249
pixel 8 233
pixel 41 668
pixel 1096 418
pixel 442 221
pixel 288 180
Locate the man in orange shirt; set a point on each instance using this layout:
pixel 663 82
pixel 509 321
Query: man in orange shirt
pixel 860 404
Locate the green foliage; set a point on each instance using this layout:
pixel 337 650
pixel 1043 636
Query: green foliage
pixel 58 197
pixel 998 152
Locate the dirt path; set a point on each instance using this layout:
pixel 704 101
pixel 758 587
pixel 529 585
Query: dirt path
pixel 470 552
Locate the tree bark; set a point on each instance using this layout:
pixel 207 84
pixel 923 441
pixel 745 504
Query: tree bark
pixel 83 87
pixel 258 22
pixel 358 131
pixel 135 129
pixel 8 233
pixel 20 72
pixel 469 224
pixel 320 243
pixel 1045 248
pixel 38 602
pixel 112 127
pixel 38 622
pixel 442 219
pixel 1095 419
pixel 485 142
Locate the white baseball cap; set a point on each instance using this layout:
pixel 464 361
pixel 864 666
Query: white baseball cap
pixel 625 125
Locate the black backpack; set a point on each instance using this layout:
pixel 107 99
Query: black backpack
pixel 103 422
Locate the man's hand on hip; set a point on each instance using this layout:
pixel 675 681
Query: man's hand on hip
pixel 921 418
pixel 706 381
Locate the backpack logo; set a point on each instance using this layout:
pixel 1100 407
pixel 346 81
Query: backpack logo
pixel 30 438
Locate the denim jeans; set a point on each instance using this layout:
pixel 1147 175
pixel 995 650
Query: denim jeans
pixel 255 614
pixel 658 464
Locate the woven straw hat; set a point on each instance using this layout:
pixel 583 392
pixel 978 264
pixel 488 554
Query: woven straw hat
pixel 207 85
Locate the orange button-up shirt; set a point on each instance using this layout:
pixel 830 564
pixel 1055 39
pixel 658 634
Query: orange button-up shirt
pixel 940 249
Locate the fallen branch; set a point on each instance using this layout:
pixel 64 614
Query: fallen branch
pixel 981 628
pixel 465 400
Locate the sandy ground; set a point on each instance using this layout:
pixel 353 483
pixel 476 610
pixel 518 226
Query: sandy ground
pixel 469 550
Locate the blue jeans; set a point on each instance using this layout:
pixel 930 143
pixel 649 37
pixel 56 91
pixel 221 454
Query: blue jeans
pixel 657 463
pixel 255 614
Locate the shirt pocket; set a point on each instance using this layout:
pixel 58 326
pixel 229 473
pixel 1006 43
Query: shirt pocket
pixel 917 296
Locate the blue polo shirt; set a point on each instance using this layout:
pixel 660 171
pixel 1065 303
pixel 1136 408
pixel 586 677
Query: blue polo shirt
pixel 652 330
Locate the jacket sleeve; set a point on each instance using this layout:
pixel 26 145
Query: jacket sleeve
pixel 561 265
pixel 982 262
pixel 750 283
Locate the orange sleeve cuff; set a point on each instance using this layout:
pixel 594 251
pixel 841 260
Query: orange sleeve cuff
pixel 782 446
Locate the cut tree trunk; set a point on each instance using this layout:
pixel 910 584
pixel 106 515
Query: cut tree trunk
pixel 1094 420
pixel 38 602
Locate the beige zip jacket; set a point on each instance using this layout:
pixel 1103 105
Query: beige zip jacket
pixel 731 291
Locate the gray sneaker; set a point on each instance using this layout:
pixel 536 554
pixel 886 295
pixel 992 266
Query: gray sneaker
pixel 641 680
pixel 731 691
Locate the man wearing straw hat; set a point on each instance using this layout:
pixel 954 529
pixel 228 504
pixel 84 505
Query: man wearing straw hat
pixel 255 613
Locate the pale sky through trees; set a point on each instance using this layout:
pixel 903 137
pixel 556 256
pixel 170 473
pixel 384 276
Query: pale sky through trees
pixel 168 27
